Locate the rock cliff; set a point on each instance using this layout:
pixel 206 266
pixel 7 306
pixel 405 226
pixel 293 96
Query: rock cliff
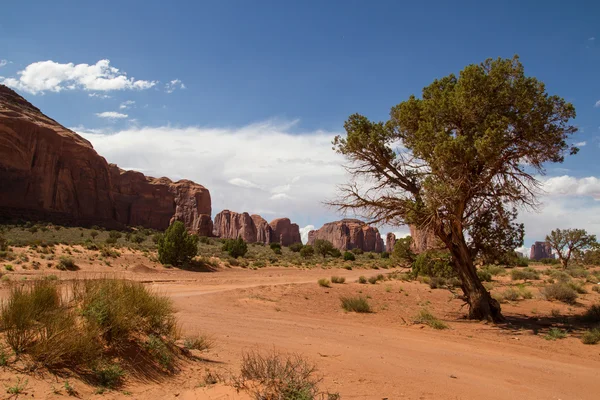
pixel 49 172
pixel 348 234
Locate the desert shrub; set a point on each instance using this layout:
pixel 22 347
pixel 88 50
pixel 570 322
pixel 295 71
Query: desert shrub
pixel 259 264
pixel 385 254
pixel 338 279
pixel 3 243
pixel 437 282
pixel 524 274
pixel 549 261
pixel 596 288
pixel 115 235
pixel 425 317
pixel 277 376
pixel 555 333
pixel 324 282
pixel 9 267
pixel 106 251
pixel 204 240
pixel 433 263
pixel 160 351
pixel 521 261
pixel 177 246
pixel 355 304
pixel 591 337
pixel 138 238
pixel 89 245
pixel 357 251
pixel 373 280
pixel 198 342
pixel 109 375
pixel 93 234
pixel 494 270
pixel 577 272
pixel 296 247
pixel 123 309
pixel 335 253
pixel 484 276
pixel 307 251
pixel 577 286
pixel 66 263
pixel 348 256
pixel 275 246
pixel 561 292
pixel 362 279
pixel 560 276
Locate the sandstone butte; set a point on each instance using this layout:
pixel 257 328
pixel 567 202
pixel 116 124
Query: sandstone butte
pixel 255 229
pixel 348 234
pixel 422 240
pixel 48 172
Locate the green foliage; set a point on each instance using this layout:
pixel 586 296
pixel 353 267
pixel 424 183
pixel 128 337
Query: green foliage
pixel 307 251
pixel 385 254
pixel 115 235
pixel 348 256
pixel 109 375
pixel 235 247
pixel 425 317
pixel 296 247
pixel 555 333
pixel 198 342
pixel 362 279
pixel 569 242
pixel 357 251
pixel 66 263
pixel 561 292
pixel 177 246
pixel 402 251
pixel 484 276
pixel 355 304
pixel 335 253
pixel 275 246
pixel 433 263
pixel 524 274
pixel 591 337
pixel 323 247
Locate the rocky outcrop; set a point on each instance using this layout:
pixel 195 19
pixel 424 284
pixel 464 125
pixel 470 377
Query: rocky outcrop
pixel 540 250
pixel 423 240
pixel 49 172
pixel 255 229
pixel 390 241
pixel 348 234
pixel 285 232
pixel 264 233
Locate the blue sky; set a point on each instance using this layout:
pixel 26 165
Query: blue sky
pixel 265 71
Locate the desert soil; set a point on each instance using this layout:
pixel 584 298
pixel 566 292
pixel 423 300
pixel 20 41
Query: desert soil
pixel 362 356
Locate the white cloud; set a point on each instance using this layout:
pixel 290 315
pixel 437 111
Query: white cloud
pixel 3 63
pixel 126 104
pixel 304 232
pixel 580 144
pixel 175 84
pixel 243 183
pixel 111 115
pixel 280 196
pixel 523 250
pixel 592 39
pixel 99 95
pixel 570 186
pixel 597 104
pixel 51 76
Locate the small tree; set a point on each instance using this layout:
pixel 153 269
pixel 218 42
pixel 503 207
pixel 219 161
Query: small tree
pixel 177 246
pixel 235 247
pixel 348 256
pixel 93 234
pixel 296 247
pixel 307 251
pixel 402 251
pixel 568 242
pixel 323 247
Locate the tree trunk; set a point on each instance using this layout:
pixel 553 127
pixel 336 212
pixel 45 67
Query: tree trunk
pixel 481 304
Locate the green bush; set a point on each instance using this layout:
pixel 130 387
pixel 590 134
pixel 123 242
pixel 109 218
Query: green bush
pixel 115 235
pixel 177 246
pixel 385 254
pixel 296 247
pixel 335 253
pixel 109 375
pixel 348 256
pixel 484 276
pixel 561 292
pixel 524 274
pixel 275 246
pixel 338 279
pixel 66 263
pixel 591 337
pixel 357 251
pixel 323 247
pixel 307 251
pixel 402 251
pixel 433 263
pixel 555 333
pixel 362 279
pixel 356 304
pixel 425 317
pixel 235 247
pixel 437 282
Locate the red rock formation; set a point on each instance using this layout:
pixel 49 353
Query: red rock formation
pixel 264 233
pixel 390 241
pixel 50 172
pixel 285 232
pixel 231 225
pixel 422 240
pixel 349 234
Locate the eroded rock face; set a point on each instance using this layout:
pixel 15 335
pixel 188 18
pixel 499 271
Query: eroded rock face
pixel 348 234
pixel 231 225
pixel 422 240
pixel 285 232
pixel 390 241
pixel 264 233
pixel 49 172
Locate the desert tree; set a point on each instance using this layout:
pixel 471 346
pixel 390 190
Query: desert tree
pixel 457 161
pixel 569 242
